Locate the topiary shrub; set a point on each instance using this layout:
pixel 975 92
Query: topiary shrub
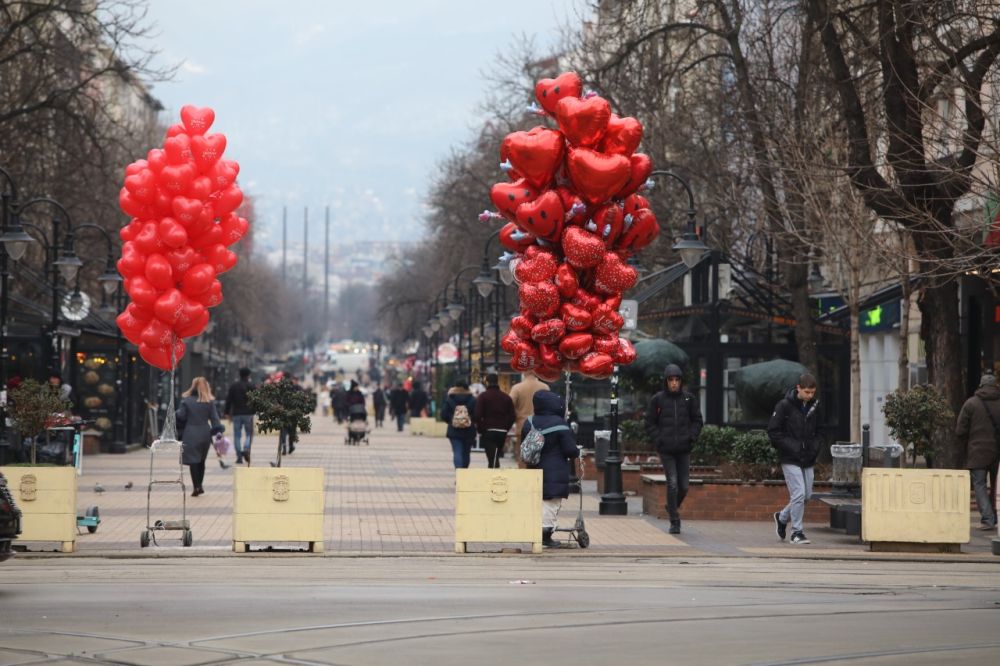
pixel 634 437
pixel 914 418
pixel 31 407
pixel 713 445
pixel 282 405
pixel 753 456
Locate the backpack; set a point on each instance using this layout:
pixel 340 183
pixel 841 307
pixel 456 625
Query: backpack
pixel 461 418
pixel 534 441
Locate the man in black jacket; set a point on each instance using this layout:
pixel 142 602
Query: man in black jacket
pixel 399 402
pixel 673 422
pixel 241 414
pixel 796 433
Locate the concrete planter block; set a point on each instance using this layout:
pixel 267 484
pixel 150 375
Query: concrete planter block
pixel 47 498
pixel 273 504
pixel 498 506
pixel 915 509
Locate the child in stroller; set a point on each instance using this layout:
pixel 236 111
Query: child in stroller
pixel 357 417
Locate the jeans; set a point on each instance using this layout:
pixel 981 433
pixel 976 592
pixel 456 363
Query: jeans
pixel 676 467
pixel 242 422
pixel 400 421
pixel 493 445
pixel 800 488
pixel 984 498
pixel 462 451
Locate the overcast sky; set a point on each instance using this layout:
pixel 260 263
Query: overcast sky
pixel 349 104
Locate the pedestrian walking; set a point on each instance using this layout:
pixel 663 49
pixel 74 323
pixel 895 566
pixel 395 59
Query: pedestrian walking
pixel 796 432
pixel 560 446
pixel 399 403
pixel 196 418
pixel 978 437
pixel 237 408
pixel 522 394
pixel 379 403
pixel 459 406
pixel 338 399
pixel 494 416
pixel 673 422
pixel 418 400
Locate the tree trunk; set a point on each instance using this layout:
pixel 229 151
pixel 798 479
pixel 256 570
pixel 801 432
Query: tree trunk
pixel 805 330
pixel 854 306
pixel 904 333
pixel 939 329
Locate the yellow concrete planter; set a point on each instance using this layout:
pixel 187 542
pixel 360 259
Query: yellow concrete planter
pixel 427 426
pixel 498 506
pixel 278 504
pixel 47 498
pixel 915 509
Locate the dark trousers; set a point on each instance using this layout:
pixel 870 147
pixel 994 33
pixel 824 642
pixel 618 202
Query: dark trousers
pixel 676 467
pixel 400 421
pixel 493 445
pixel 197 475
pixel 379 416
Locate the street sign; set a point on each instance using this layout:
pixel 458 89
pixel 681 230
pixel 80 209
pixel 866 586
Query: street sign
pixel 629 310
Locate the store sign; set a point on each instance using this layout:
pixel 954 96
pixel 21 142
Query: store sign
pixel 447 352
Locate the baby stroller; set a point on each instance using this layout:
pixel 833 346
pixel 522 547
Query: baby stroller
pixel 357 425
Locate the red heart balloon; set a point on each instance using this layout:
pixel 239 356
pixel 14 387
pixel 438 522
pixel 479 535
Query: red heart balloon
pixel 167 307
pixel 539 298
pixel 130 325
pixel 197 324
pixel 566 281
pixel 575 317
pixel 172 233
pixel 575 345
pixel 129 231
pixel 139 313
pixel 197 279
pixel 548 332
pixel 535 154
pixel 606 320
pixel 161 206
pixel 175 178
pixel 542 217
pixel 197 120
pixel 186 210
pixel 212 296
pixel 132 262
pixel 622 136
pixel 157 334
pixel 147 241
pixel 201 188
pixel 159 272
pixel 537 267
pixel 223 174
pixel 609 220
pixel 142 292
pixel 508 196
pixel 549 355
pixel 614 302
pixel 613 276
pixel 572 202
pixel 207 149
pixel 634 203
pixel 178 149
pixel 596 365
pixel 509 341
pixel 642 231
pixel 583 121
pixel 132 206
pixel 135 167
pixel 207 238
pixel 522 325
pixel 227 200
pixel 548 92
pixel 157 159
pixel 597 176
pixel 233 228
pixel 625 353
pixel 640 166
pixel 547 373
pixel 183 258
pixel 175 129
pixel 507 234
pixel 160 356
pixel 606 344
pixel 219 257
pixel 585 299
pixel 142 186
pixel 582 248
pixel 524 357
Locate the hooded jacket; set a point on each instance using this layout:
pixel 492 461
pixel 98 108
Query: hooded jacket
pixel 459 396
pixel 559 445
pixel 976 436
pixel 795 430
pixel 673 420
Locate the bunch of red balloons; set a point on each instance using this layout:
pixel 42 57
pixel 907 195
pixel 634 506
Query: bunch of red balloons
pixel 573 217
pixel 182 200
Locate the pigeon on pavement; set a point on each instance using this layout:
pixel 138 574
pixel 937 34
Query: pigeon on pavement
pixel 98 488
pixel 128 486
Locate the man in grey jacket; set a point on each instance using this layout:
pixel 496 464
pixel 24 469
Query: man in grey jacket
pixel 977 437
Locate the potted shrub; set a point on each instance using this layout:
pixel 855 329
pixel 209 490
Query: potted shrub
pixel 914 418
pixel 753 457
pixel 713 445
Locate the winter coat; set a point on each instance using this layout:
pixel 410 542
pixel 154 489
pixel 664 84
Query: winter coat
pixel 459 396
pixel 559 445
pixel 399 401
pixel 378 399
pixel 353 398
pixel 975 432
pixel 418 401
pixel 236 399
pixel 522 394
pixel 198 419
pixel 795 430
pixel 673 421
pixel 494 410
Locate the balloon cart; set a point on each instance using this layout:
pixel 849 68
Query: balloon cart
pixel 166 450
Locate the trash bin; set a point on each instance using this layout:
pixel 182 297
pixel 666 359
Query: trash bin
pixel 888 455
pixel 846 465
pixel 602 442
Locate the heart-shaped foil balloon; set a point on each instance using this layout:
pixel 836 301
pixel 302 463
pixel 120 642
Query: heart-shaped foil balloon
pixel 640 166
pixel 548 92
pixel 575 317
pixel 597 176
pixel 536 267
pixel 583 121
pixel 613 276
pixel 641 232
pixel 535 154
pixel 582 248
pixel 542 217
pixel 539 298
pixel 575 345
pixel 508 196
pixel 622 136
pixel 548 332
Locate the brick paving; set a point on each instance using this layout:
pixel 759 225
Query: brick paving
pixel 395 497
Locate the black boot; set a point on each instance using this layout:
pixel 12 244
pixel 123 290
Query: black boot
pixel 675 526
pixel 547 539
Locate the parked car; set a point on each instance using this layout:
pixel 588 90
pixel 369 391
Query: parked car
pixel 10 520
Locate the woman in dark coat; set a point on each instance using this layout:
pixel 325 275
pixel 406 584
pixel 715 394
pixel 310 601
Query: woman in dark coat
pixel 196 418
pixel 461 439
pixel 378 402
pixel 559 445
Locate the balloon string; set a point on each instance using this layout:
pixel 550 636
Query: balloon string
pixel 169 432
